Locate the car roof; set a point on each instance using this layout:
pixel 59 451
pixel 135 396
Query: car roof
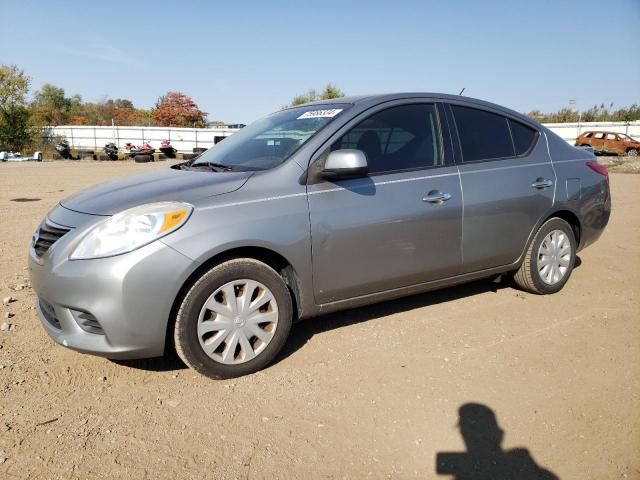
pixel 374 99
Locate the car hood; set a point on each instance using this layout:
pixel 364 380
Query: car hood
pixel 164 185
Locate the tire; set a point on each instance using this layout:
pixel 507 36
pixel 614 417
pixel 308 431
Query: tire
pixel 529 276
pixel 162 156
pixel 198 150
pixel 632 152
pixel 104 158
pixel 189 342
pixel 87 156
pixel 143 158
pixel 188 156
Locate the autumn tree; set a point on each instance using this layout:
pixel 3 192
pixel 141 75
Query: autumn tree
pixel 126 116
pixel 15 130
pixel 176 109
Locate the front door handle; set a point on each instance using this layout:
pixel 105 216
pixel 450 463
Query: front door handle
pixel 541 183
pixel 436 197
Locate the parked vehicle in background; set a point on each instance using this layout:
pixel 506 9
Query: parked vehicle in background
pixel 167 149
pixel 111 151
pixel 133 150
pixel 64 149
pixel 17 157
pixel 313 209
pixel 609 142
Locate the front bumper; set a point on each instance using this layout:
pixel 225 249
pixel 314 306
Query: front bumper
pixel 130 296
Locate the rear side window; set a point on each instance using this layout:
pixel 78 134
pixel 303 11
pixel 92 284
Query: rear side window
pixel 611 136
pixel 599 135
pixel 588 135
pixel 523 136
pixel 398 138
pixel 483 135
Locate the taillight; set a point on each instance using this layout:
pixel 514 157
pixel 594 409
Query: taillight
pixel 601 169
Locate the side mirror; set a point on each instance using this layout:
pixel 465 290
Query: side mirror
pixel 347 163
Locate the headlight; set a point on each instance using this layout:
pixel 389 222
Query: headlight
pixel 132 229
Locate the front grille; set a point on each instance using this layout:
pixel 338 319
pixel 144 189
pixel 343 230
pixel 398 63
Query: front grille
pixel 46 236
pixel 49 313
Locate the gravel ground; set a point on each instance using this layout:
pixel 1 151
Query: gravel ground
pixel 621 164
pixel 371 393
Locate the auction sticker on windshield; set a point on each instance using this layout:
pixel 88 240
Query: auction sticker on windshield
pixel 320 113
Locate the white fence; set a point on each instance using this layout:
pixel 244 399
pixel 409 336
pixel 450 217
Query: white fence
pixel 182 139
pixel 185 139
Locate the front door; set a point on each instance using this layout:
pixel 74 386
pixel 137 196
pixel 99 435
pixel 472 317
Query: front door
pixel 399 226
pixel 597 142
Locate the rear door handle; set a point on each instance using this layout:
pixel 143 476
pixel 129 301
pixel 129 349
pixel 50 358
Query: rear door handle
pixel 541 183
pixel 436 197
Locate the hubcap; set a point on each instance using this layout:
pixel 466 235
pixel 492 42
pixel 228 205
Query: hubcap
pixel 237 322
pixel 554 256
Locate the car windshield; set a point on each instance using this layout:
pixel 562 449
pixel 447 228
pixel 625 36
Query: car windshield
pixel 269 141
pixel 625 137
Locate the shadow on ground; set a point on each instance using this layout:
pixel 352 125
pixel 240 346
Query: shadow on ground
pixel 302 332
pixel 485 459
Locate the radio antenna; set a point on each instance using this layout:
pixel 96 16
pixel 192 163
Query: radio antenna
pixel 462 91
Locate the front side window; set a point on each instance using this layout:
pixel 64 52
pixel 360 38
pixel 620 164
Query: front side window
pixel 599 136
pixel 269 141
pixel 483 135
pixel 611 136
pixel 398 138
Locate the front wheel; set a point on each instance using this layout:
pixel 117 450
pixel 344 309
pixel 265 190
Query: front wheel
pixel 234 320
pixel 632 152
pixel 549 260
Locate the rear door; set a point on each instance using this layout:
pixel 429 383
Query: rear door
pixel 388 230
pixel 613 144
pixel 507 183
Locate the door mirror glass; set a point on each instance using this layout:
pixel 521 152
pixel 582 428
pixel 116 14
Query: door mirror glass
pixel 346 163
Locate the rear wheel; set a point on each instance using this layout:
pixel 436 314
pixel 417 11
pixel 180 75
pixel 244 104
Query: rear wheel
pixel 549 260
pixel 234 320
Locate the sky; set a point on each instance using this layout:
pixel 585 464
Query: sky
pixel 240 60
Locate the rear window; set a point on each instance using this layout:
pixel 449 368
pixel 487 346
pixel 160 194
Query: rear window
pixel 523 136
pixel 483 135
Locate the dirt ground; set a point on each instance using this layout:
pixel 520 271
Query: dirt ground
pixel 369 393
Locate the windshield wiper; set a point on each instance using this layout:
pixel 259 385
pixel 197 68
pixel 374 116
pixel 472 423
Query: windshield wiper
pixel 216 167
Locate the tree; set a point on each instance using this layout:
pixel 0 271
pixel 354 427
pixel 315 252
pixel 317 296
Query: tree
pixel 597 113
pixel 15 132
pixel 175 109
pixel 126 116
pixel 14 85
pixel 51 107
pixel 310 96
pixel 330 91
